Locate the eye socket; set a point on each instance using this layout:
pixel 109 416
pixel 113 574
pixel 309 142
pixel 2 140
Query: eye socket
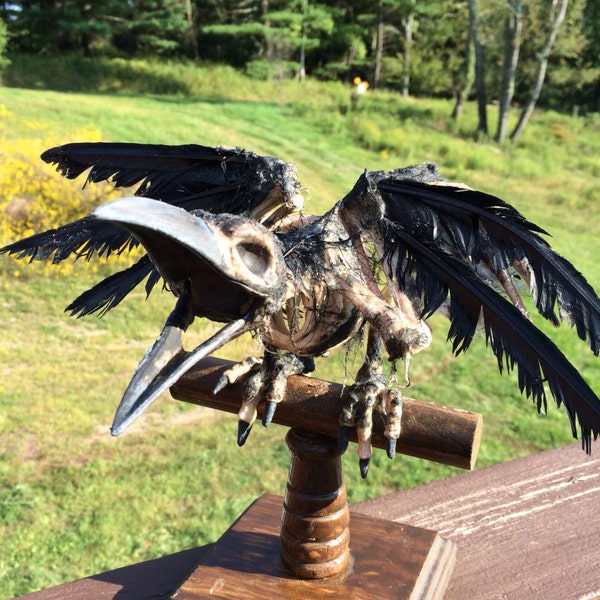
pixel 255 257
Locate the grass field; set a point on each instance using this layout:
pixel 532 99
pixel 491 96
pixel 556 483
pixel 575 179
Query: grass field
pixel 73 500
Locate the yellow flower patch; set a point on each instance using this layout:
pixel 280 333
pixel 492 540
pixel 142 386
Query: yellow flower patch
pixel 34 197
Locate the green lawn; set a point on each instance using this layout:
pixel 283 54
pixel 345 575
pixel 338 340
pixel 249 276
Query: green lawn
pixel 73 500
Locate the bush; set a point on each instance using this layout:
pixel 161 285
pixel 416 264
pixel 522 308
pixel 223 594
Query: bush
pixel 33 196
pixel 265 70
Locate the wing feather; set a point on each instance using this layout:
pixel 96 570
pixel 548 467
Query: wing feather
pixel 432 238
pixel 84 238
pixel 197 177
pixel 110 291
pixel 484 229
pixel 218 180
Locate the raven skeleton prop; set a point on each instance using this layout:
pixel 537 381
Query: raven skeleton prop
pixel 224 229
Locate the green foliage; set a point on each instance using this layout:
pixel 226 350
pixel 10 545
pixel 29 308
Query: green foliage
pixel 284 35
pixel 155 27
pixel 75 501
pixel 421 45
pixel 77 73
pixel 266 70
pixel 63 26
pixel 4 62
pixel 139 27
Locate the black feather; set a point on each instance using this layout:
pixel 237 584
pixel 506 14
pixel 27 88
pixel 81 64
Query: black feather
pixel 153 279
pixel 513 338
pixel 110 291
pixel 430 239
pixel 218 180
pixel 84 238
pixel 482 228
pixel 193 176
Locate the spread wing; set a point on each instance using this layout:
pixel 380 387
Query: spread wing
pixel 217 180
pixel 449 246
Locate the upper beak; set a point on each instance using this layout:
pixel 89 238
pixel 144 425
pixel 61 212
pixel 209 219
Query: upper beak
pixel 224 267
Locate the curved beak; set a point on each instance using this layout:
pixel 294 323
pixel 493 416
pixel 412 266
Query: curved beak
pixel 223 267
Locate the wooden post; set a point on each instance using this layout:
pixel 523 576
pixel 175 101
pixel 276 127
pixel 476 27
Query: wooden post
pixel 315 530
pixel 313 556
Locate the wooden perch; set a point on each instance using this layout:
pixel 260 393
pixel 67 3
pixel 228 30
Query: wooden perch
pixel 445 435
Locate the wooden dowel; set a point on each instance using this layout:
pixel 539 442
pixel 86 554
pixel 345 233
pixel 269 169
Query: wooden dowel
pixel 437 433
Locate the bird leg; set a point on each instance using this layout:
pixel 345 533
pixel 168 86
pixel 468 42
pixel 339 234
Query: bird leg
pixel 404 333
pixel 266 380
pixel 367 394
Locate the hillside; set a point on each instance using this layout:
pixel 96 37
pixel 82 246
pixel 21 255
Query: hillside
pixel 74 501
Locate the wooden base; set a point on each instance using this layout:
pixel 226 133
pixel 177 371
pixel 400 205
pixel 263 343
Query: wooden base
pixel 389 560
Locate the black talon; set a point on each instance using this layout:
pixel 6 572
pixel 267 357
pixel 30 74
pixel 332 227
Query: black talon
pixel 308 363
pixel 363 463
pixel 391 448
pixel 343 437
pixel 222 383
pixel 269 412
pixel 244 429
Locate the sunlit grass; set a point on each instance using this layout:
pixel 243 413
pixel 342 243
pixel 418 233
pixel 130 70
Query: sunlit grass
pixel 75 501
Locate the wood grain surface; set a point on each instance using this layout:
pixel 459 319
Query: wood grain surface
pixel 390 561
pixel 525 529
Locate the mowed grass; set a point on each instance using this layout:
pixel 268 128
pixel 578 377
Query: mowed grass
pixel 73 500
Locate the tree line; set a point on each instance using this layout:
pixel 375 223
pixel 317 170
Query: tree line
pixel 511 52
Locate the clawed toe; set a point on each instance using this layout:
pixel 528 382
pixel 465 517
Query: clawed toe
pixel 363 402
pixel 343 437
pixel 363 464
pixel 390 448
pixel 236 372
pixel 269 412
pixel 265 380
pixel 244 429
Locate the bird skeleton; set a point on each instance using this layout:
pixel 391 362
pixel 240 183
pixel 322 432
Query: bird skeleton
pixel 224 228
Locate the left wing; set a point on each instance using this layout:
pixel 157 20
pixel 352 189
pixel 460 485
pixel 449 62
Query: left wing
pixel 217 180
pixel 437 242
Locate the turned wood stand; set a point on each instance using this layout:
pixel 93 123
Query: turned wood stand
pixel 305 545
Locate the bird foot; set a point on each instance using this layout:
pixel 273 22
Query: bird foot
pixel 237 371
pixel 368 395
pixel 364 399
pixel 265 379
